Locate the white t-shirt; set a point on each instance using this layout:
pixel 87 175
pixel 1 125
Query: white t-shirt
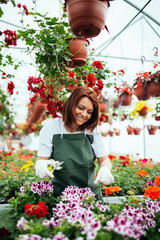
pixel 56 126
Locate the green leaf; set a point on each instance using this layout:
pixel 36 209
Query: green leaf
pixel 1 12
pixel 7 219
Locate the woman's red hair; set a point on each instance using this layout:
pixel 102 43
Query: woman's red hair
pixel 71 103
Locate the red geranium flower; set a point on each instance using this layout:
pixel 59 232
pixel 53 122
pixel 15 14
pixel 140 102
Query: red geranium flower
pixel 10 37
pixel 39 210
pixel 90 80
pixel 97 64
pixel 10 87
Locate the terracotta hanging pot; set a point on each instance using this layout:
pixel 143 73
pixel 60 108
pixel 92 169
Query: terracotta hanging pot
pixel 110 133
pixel 154 88
pixel 115 104
pixel 143 112
pixel 79 49
pixel 125 99
pixel 130 130
pixel 157 118
pixel 151 131
pixel 117 133
pixel 136 131
pixel 142 93
pixel 28 127
pixel 103 108
pixel 87 17
pixel 38 111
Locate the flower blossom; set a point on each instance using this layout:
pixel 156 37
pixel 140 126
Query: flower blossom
pixel 76 207
pixel 142 173
pixel 21 223
pixel 132 222
pixel 10 87
pixel 90 80
pixel 157 180
pixel 97 64
pixel 10 38
pixel 39 210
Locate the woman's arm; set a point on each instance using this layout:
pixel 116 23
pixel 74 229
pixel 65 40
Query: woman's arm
pixel 104 175
pixel 42 158
pixel 104 162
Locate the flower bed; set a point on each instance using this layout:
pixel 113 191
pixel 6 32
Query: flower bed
pixel 33 213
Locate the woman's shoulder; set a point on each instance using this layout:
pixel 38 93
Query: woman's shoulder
pixel 52 125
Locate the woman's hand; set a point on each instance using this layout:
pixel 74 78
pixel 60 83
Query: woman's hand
pixel 41 169
pixel 104 176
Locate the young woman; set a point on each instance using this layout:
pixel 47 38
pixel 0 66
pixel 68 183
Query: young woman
pixel 76 141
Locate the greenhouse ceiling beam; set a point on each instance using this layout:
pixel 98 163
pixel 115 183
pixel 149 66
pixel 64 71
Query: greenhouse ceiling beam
pixel 146 14
pixel 109 40
pixel 11 24
pixel 151 27
pixel 125 58
pixel 128 23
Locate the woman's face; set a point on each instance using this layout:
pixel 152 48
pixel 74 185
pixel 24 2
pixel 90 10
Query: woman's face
pixel 83 111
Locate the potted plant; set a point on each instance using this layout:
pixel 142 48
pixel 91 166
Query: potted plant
pixel 129 130
pixel 103 107
pixel 151 129
pixel 125 94
pixel 136 130
pixel 154 84
pixel 140 86
pixel 86 18
pixel 110 133
pixel 117 131
pixel 141 109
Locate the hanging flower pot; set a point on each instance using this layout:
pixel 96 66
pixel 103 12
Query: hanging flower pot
pixel 87 17
pixel 78 49
pixel 103 107
pixel 117 132
pixel 110 133
pixel 157 118
pixel 142 93
pixel 154 88
pixel 38 110
pixel 151 129
pixel 125 99
pixel 143 112
pixel 115 104
pixel 28 127
pixel 129 130
pixel 136 131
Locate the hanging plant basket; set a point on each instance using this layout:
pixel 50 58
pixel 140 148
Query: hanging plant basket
pixel 154 88
pixel 143 112
pixel 157 118
pixel 110 133
pixel 103 107
pixel 142 93
pixel 38 111
pixel 87 17
pixel 79 49
pixel 28 127
pixel 130 130
pixel 125 99
pixel 136 131
pixel 151 131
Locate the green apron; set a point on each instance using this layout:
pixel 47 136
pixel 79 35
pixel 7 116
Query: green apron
pixel 78 169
